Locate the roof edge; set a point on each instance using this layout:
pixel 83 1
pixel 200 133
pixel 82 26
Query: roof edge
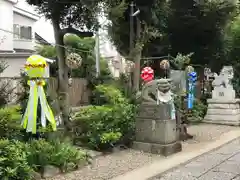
pixel 26 13
pixel 14 55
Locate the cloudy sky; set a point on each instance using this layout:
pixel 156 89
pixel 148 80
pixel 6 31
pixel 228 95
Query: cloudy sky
pixel 44 28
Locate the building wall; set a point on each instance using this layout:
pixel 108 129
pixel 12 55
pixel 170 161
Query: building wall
pixel 6 19
pixel 16 66
pixel 8 16
pixel 23 21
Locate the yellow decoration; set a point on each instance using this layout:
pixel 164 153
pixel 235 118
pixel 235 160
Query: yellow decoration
pixel 189 69
pixel 164 64
pixel 35 66
pixel 35 69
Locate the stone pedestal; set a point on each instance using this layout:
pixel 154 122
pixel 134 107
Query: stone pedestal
pixel 155 131
pixel 221 93
pixel 223 108
pixel 222 111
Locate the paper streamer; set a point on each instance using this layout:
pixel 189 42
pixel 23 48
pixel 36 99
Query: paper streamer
pixel 35 69
pixel 191 86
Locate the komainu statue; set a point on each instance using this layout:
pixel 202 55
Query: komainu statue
pixel 224 78
pixel 156 91
pixel 156 125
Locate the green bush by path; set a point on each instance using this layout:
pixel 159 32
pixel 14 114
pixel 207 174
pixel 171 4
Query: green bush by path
pixel 18 160
pixel 10 119
pixel 198 112
pixel 62 155
pixel 13 161
pixel 102 127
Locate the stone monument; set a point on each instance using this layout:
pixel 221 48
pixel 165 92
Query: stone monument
pixel 179 81
pixel 223 108
pixel 156 131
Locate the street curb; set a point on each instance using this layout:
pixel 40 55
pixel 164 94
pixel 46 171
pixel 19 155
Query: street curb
pixel 158 167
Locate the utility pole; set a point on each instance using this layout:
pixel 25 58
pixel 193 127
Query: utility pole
pixel 97 54
pixel 131 39
pixel 137 58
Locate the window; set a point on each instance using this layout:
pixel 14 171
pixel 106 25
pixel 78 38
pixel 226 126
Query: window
pixel 22 32
pixel 16 31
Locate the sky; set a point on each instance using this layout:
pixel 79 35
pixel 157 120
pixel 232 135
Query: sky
pixel 44 28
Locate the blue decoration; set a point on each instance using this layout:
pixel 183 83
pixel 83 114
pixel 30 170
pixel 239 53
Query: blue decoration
pixel 192 78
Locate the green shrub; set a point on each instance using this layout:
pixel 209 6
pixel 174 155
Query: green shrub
pixel 107 94
pixel 19 160
pixel 40 152
pixel 62 155
pixel 10 118
pixel 124 83
pixel 13 161
pixel 67 157
pixel 102 127
pixel 198 112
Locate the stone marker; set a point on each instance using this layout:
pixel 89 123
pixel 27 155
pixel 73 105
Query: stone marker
pixel 223 108
pixel 156 132
pixel 179 81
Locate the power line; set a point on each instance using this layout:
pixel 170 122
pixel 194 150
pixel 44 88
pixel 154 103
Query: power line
pixel 53 44
pixel 67 47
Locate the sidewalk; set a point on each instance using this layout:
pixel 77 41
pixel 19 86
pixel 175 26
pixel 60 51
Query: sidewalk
pixel 193 162
pixel 131 164
pixel 223 163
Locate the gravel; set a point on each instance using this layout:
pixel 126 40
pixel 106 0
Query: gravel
pixel 109 166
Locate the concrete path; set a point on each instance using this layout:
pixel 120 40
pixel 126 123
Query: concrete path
pixel 188 154
pixel 220 164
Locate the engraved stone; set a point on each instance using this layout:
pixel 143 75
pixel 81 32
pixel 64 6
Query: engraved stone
pixel 178 80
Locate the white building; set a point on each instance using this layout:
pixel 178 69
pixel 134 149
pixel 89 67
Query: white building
pixel 116 63
pixel 18 23
pixel 17 39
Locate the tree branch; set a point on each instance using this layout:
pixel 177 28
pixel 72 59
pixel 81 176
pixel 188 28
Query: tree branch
pixel 75 31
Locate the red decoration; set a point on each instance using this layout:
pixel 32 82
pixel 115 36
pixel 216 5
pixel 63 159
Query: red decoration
pixel 147 74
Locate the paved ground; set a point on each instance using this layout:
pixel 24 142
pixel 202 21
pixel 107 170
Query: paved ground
pixel 220 164
pixel 113 165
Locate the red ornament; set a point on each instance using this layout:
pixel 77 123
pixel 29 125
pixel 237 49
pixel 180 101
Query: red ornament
pixel 147 74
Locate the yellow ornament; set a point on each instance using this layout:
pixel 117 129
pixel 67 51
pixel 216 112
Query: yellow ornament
pixel 189 69
pixel 35 66
pixel 164 64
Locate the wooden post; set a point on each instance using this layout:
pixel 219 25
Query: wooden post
pixel 183 135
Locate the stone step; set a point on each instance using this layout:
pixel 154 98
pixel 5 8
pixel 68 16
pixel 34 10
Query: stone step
pixel 223 111
pixel 223 106
pixel 222 117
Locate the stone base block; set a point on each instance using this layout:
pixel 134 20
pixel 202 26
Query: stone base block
pixel 164 150
pixel 223 93
pixel 223 112
pixel 222 122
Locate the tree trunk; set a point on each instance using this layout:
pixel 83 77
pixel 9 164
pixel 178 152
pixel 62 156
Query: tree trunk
pixel 62 76
pixel 136 72
pixel 137 59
